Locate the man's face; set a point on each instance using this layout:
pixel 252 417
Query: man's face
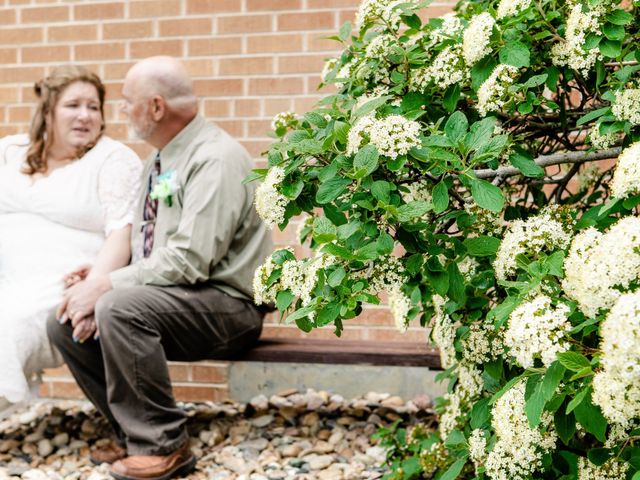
pixel 136 107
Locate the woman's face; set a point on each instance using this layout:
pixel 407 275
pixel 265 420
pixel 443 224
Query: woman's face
pixel 77 120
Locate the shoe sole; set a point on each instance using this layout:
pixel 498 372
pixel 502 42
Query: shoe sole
pixel 183 469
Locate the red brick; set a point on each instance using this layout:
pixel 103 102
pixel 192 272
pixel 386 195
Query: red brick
pixel 306 21
pixel 44 14
pixel 7 16
pixel 210 373
pixel 217 108
pixel 319 42
pixel 246 66
pixel 99 51
pixel 185 27
pixel 21 74
pixel 213 6
pixel 9 94
pixel 156 47
pixel 235 128
pixel 258 128
pixel 49 54
pixel 116 71
pixel 274 43
pixel 98 11
pixel 154 8
pixel 199 393
pixel 244 23
pixel 218 88
pixel 332 3
pixel 180 372
pixel 275 86
pixel 200 67
pixel 117 130
pixel 62 371
pixel 346 16
pixel 13 36
pixel 273 106
pixel 8 55
pixel 256 147
pixel 215 46
pixel 85 33
pixel 119 30
pixel 301 63
pixel 304 104
pixel 247 107
pixel 63 389
pixel 271 5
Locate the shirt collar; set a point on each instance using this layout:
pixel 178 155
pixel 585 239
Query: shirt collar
pixel 176 148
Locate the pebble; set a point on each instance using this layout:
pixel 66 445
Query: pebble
pixel 293 435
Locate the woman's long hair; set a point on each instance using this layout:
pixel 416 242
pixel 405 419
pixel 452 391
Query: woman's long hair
pixel 48 91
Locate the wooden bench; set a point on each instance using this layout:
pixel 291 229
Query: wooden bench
pixel 338 351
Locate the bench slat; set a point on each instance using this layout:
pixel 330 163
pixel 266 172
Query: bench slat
pixel 343 352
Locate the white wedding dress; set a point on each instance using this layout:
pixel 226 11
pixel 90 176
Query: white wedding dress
pixel 48 228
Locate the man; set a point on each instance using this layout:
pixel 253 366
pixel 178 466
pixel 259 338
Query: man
pixel 187 294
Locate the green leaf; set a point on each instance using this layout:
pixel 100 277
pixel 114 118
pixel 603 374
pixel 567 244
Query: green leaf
pixel 591 418
pixel 348 229
pixel 451 97
pixel 524 162
pixel 324 231
pixel 456 126
pixel 300 313
pixel 483 246
pixel 536 81
pixel 619 17
pixel 281 256
pixel 593 115
pixel 600 456
pixel 385 244
pixel 256 174
pixel 577 400
pixel 534 405
pixel 328 314
pixel 412 210
pixel 455 438
pixel 304 323
pixel 480 133
pixel 573 361
pixel 516 54
pixel 283 300
pixel 480 413
pixel 613 32
pixel 551 380
pixel 565 425
pixel 336 277
pixel 487 195
pixel 454 470
pixel 345 31
pixel 611 48
pixel 365 161
pixel 331 189
pixel 456 284
pixel 292 190
pixel 381 191
pixel 370 106
pixel 440 197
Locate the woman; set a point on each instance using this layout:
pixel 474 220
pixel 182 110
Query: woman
pixel 67 194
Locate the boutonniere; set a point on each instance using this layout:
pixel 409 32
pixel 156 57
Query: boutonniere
pixel 166 185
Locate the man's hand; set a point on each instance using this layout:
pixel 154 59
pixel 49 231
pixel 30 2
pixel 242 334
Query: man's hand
pixel 79 274
pixel 79 301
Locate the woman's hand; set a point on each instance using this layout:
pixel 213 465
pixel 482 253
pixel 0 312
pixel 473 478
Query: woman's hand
pixel 84 329
pixel 79 274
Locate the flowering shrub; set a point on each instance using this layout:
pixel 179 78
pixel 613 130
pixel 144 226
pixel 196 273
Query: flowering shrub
pixel 457 168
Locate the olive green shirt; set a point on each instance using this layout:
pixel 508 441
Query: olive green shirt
pixel 211 232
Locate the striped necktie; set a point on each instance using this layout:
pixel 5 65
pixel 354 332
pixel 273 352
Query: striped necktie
pixel 150 210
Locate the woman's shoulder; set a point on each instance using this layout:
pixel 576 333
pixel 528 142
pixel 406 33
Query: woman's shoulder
pixel 107 147
pixel 13 148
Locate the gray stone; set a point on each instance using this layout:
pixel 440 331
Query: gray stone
pixel 45 448
pixel 262 421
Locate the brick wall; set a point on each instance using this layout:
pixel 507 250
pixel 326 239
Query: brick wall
pixel 250 59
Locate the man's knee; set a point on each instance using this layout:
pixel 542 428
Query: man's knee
pixel 115 307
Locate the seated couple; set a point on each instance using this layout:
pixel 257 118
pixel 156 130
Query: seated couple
pixel 72 197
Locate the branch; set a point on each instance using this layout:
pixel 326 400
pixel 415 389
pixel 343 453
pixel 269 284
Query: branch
pixel 555 159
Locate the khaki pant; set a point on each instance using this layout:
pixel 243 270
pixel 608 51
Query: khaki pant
pixel 125 374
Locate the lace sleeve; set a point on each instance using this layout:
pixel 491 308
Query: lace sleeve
pixel 118 187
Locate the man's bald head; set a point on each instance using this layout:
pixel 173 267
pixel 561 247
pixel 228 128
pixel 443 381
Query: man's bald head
pixel 164 76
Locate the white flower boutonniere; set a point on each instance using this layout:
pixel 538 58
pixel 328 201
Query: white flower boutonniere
pixel 166 186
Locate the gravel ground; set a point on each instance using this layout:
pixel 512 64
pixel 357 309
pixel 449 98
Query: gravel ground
pixel 290 436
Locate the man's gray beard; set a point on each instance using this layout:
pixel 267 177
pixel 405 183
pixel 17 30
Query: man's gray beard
pixel 134 134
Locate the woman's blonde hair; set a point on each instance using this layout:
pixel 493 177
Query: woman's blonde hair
pixel 48 90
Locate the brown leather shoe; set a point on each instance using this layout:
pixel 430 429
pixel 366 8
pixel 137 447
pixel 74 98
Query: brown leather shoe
pixel 109 453
pixel 155 467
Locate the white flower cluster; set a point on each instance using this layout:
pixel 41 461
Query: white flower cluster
pixel 399 304
pixel 375 10
pixel 508 8
pixel 380 47
pixel 627 106
pixel 616 388
pixel 476 38
pixel 419 191
pixel 328 67
pixel 392 136
pixel 385 273
pixel 443 333
pixel 612 470
pixel 626 178
pixel 541 233
pixel 450 418
pixel 270 203
pixel 482 344
pixel 283 120
pixel 300 276
pixel 447 68
pixel 477 447
pixel 518 451
pixel 492 94
pixel 571 51
pixel 261 292
pixel 470 383
pixel 601 141
pixel 600 266
pixel 537 330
